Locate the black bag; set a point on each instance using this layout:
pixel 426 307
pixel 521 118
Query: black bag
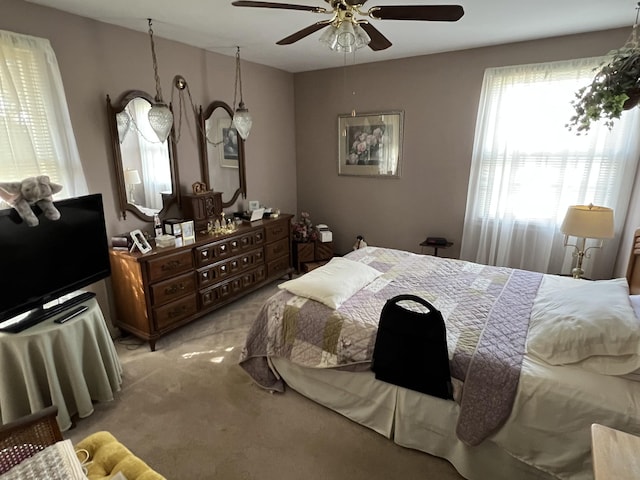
pixel 411 348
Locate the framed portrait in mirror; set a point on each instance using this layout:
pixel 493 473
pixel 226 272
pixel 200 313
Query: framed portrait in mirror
pixel 228 147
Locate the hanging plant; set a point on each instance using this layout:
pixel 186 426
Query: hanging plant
pixel 615 88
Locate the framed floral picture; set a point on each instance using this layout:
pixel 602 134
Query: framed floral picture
pixel 370 144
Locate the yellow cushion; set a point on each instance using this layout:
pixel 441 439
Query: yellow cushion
pixel 108 457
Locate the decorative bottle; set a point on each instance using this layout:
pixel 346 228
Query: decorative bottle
pixel 157 225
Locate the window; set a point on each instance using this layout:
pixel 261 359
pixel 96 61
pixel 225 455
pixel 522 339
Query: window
pixel 36 137
pixel 527 167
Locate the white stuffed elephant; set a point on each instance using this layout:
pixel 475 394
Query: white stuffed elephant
pixel 33 190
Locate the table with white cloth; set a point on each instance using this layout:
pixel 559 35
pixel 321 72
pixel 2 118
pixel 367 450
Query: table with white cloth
pixel 69 365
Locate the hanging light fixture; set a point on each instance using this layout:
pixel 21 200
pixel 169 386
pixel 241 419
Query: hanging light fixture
pixel 241 118
pixel 345 34
pixel 160 116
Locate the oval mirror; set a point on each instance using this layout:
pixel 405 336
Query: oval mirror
pixel 145 166
pixel 221 153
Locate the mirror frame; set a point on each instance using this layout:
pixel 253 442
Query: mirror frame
pixel 124 205
pixel 204 154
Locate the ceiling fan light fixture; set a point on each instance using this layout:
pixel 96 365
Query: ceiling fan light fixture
pixel 330 37
pixel 362 37
pixel 346 37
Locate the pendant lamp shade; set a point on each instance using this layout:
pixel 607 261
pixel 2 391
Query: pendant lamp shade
pixel 242 120
pixel 123 122
pixel 161 120
pixel 160 116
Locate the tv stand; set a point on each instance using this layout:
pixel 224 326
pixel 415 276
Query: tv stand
pixel 40 314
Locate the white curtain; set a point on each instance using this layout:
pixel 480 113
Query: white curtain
pixel 527 168
pixel 36 136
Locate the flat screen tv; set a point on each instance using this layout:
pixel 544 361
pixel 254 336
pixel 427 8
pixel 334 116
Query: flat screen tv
pixel 55 258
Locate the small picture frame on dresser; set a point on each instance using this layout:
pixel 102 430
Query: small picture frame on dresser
pixel 139 242
pixel 188 231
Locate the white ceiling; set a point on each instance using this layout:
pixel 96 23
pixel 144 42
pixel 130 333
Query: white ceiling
pixel 218 26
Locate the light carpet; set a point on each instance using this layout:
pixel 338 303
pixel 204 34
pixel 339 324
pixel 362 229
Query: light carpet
pixel 191 412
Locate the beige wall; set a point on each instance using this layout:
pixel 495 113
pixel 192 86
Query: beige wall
pixel 439 95
pixel 97 59
pixel 292 150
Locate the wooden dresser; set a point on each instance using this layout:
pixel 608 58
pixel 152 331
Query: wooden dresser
pixel 169 287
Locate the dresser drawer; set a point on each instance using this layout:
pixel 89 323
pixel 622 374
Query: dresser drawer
pixel 276 249
pixel 218 293
pixel 170 265
pixel 174 312
pixel 278 229
pixel 216 251
pixel 176 287
pixel 227 268
pixel 278 267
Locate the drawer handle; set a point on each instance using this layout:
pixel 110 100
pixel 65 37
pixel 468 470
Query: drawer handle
pixel 176 312
pixel 234 244
pixel 175 288
pixel 234 264
pixel 223 268
pixel 172 265
pixel 204 254
pixel 205 275
pixel 223 248
pixel 245 260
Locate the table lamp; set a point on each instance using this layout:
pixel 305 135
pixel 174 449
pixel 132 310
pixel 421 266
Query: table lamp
pixel 582 222
pixel 132 178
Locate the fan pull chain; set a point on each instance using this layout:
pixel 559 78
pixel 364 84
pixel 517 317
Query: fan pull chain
pixel 353 92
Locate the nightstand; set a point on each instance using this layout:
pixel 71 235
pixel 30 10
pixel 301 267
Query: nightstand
pixel 434 246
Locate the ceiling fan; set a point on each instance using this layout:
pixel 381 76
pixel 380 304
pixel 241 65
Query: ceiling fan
pixel 349 32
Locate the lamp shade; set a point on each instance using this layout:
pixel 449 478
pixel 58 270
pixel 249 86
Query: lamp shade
pixel 161 120
pixel 132 177
pixel 588 221
pixel 123 121
pixel 346 37
pixel 242 120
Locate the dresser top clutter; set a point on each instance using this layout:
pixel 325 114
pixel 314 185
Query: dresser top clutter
pixel 168 287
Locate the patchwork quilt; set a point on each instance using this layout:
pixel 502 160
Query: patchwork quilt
pixel 486 311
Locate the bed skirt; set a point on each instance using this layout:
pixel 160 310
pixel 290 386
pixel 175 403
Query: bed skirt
pixel 410 419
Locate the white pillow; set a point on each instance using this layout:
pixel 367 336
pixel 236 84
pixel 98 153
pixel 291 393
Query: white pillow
pixel 573 320
pixel 333 283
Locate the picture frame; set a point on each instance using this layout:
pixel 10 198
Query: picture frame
pixel 228 147
pixel 188 231
pixel 254 205
pixel 370 144
pixel 139 241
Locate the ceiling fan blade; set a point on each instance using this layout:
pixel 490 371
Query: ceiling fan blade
pixel 438 13
pixel 303 33
pixel 378 40
pixel 282 6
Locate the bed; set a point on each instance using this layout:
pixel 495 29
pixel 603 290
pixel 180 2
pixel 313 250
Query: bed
pixel 535 358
